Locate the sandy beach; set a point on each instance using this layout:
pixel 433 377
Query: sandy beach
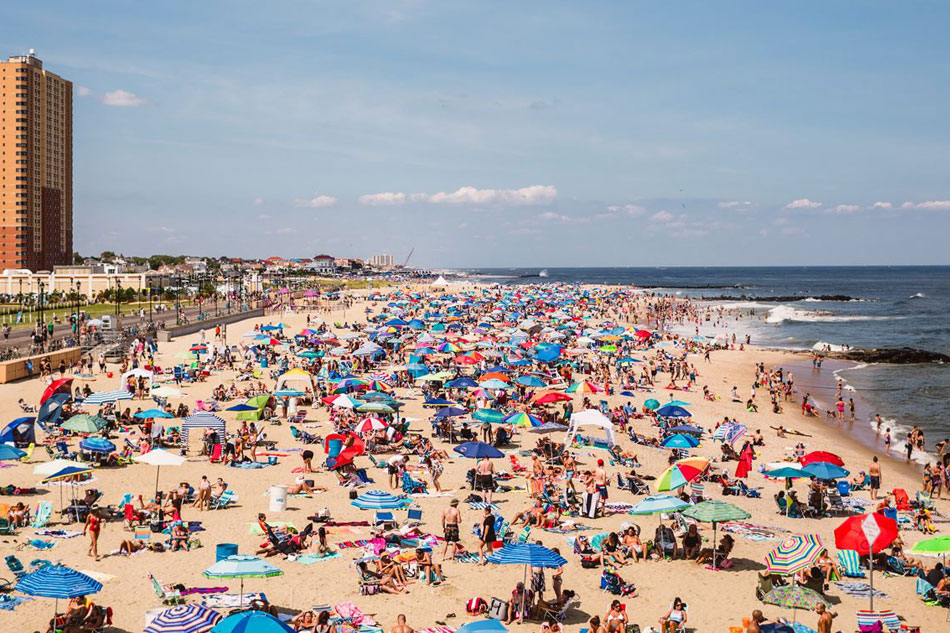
pixel 716 600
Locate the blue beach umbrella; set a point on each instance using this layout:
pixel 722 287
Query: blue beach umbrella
pixel 824 470
pixel 461 383
pixel 96 445
pixel 450 412
pixel 241 566
pixel 10 452
pixel 57 581
pixel 529 381
pixel 489 415
pixel 379 500
pixel 494 383
pixel 241 407
pixel 529 555
pixel 184 618
pixel 483 626
pixel 685 428
pixel 477 450
pixel 673 412
pixel 152 414
pixel 680 441
pixel 658 504
pixel 251 622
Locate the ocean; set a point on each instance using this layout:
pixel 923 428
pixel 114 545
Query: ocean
pixel 892 306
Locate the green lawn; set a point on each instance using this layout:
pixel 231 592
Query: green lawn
pixel 93 310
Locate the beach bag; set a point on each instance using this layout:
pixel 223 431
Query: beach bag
pixel 369 590
pixel 588 562
pixel 354 494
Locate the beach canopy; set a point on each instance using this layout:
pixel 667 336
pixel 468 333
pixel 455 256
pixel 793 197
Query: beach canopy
pixel 203 420
pixel 57 581
pixel 794 554
pixel 658 504
pixel 527 554
pixel 477 450
pixel 184 618
pixel 590 418
pixel 379 500
pixel 251 622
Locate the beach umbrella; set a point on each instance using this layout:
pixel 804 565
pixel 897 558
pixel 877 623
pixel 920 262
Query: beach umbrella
pixel 483 626
pixel 370 424
pixel 461 383
pixel 715 512
pixel 184 618
pixel 681 473
pixel 489 415
pixel 477 450
pixel 584 386
pixel 651 404
pixel 241 566
pixel 680 441
pixel 84 423
pixel 103 397
pixel 523 419
pixel 379 500
pixel 150 414
pixel 165 392
pixel 251 622
pixel 824 470
pixel 794 597
pixel 529 555
pixel 450 412
pixel 96 445
pixel 159 457
pixel 822 456
pixel 57 581
pixel 867 534
pixel 54 387
pixel 936 546
pixel 45 469
pixel 530 381
pixel 241 407
pixel 374 407
pixel 794 553
pixel 550 398
pixel 343 401
pixel 494 383
pixel 673 412
pixel 659 504
pixel 9 452
pixel 678 403
pixel 685 428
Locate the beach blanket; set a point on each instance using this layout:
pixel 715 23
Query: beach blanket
pixel 481 505
pixel 101 576
pixel 59 533
pixel 40 544
pixel 248 465
pixel 231 600
pixel 567 529
pixel 352 544
pixel 617 507
pixel 352 612
pixel 854 504
pixel 9 603
pixel 437 629
pixel 444 493
pixel 310 559
pixel 347 523
pixel 202 590
pixel 860 590
pixel 753 532
pixel 468 557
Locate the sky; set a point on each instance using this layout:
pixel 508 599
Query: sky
pixel 484 133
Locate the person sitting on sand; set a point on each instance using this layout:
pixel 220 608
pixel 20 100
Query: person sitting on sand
pixel 305 621
pixel 612 551
pixel 631 543
pixel 519 607
pixel 726 544
pixel 300 486
pixel 674 618
pixel 431 569
pixel 370 577
pixel 387 566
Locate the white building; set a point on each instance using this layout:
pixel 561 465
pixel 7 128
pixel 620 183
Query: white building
pixel 323 265
pixel 381 261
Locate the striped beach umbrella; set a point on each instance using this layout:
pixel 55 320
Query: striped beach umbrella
pixel 241 566
pixel 57 581
pixel 529 555
pixel 96 445
pixel 681 473
pixel 102 397
pixel 714 511
pixel 584 386
pixel 370 424
pixel 658 504
pixel 523 419
pixel 794 553
pixel 379 500
pixel 185 618
pixel 489 415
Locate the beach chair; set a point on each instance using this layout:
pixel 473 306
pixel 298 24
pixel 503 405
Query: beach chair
pixel 516 466
pixel 384 519
pixel 226 498
pixel 924 500
pixel 764 586
pixel 523 536
pixel 15 566
pixel 901 500
pixel 410 485
pixel 43 514
pixel 29 453
pixel 697 491
pixel 166 595
pixel 886 617
pixel 557 614
pixel 376 462
pixel 216 452
pixel 844 488
pixel 834 501
pixel 850 563
pixel 890 513
pixel 413 517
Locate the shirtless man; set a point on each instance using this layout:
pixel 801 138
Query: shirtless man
pixel 570 468
pixel 825 618
pixel 874 472
pixel 600 481
pixel 485 478
pixel 757 619
pixel 451 518
pixel 401 626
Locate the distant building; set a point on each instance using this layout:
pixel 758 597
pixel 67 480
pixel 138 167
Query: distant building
pixel 36 166
pixel 322 265
pixel 381 261
pixel 198 264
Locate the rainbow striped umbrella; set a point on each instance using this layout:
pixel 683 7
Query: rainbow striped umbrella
pixel 681 473
pixel 584 386
pixel 523 419
pixel 378 385
pixel 795 553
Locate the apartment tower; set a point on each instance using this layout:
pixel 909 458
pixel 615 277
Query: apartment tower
pixel 36 166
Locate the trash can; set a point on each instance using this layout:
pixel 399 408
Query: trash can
pixel 223 550
pixel 278 498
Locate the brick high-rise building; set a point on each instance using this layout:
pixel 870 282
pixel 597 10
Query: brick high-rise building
pixel 36 166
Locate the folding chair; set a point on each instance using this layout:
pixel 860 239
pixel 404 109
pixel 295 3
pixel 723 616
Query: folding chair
pixel 414 516
pixel 384 519
pixel 43 514
pixel 850 563
pixel 226 498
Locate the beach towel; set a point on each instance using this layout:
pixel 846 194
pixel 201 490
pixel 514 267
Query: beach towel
pixel 860 590
pixel 230 600
pixel 101 576
pixel 59 533
pixel 886 617
pixel 202 590
pixel 352 612
pixel 352 544
pixel 481 505
pixel 40 544
pixel 444 493
pixel 468 557
pixel 753 532
pixel 616 507
pixel 248 465
pixel 310 559
pixel 9 603
pixel 437 629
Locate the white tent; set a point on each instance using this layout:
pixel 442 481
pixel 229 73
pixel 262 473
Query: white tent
pixel 590 418
pixel 139 372
pixel 440 282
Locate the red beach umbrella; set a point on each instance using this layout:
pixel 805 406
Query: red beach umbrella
pixel 867 534
pixel 56 386
pixel 822 456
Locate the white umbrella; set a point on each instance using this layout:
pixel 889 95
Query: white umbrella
pixel 52 467
pixel 166 392
pixel 159 457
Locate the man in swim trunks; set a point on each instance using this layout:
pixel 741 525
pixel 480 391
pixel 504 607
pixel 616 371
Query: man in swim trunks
pixel 874 472
pixel 600 481
pixel 451 518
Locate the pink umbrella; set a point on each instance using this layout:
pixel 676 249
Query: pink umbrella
pixel 370 424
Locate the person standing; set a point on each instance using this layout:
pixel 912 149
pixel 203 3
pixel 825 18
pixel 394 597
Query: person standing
pixel 451 519
pixel 488 535
pixel 874 473
pixel 825 618
pixel 401 626
pixel 93 526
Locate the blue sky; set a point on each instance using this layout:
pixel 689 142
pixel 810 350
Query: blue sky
pixel 506 133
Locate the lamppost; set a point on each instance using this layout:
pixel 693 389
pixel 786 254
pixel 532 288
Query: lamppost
pixel 41 303
pixel 148 289
pixel 118 294
pixel 178 299
pixel 214 289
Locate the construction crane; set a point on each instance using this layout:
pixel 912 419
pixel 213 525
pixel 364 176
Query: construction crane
pixel 411 251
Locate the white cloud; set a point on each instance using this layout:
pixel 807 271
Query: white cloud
pixel 258 201
pixel 802 203
pixel 264 216
pixel 930 205
pixel 734 204
pixel 844 208
pixel 661 216
pixel 382 199
pixel 83 91
pixel 551 216
pixel 628 209
pixel 122 99
pixel 526 196
pixel 285 230
pixel 317 202
pixel 882 205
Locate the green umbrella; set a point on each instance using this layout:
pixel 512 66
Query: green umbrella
pixel 375 407
pixel 936 546
pixel 794 597
pixel 84 423
pixel 713 511
pixel 651 404
pixel 489 415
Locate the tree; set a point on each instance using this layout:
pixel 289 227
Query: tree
pixel 106 256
